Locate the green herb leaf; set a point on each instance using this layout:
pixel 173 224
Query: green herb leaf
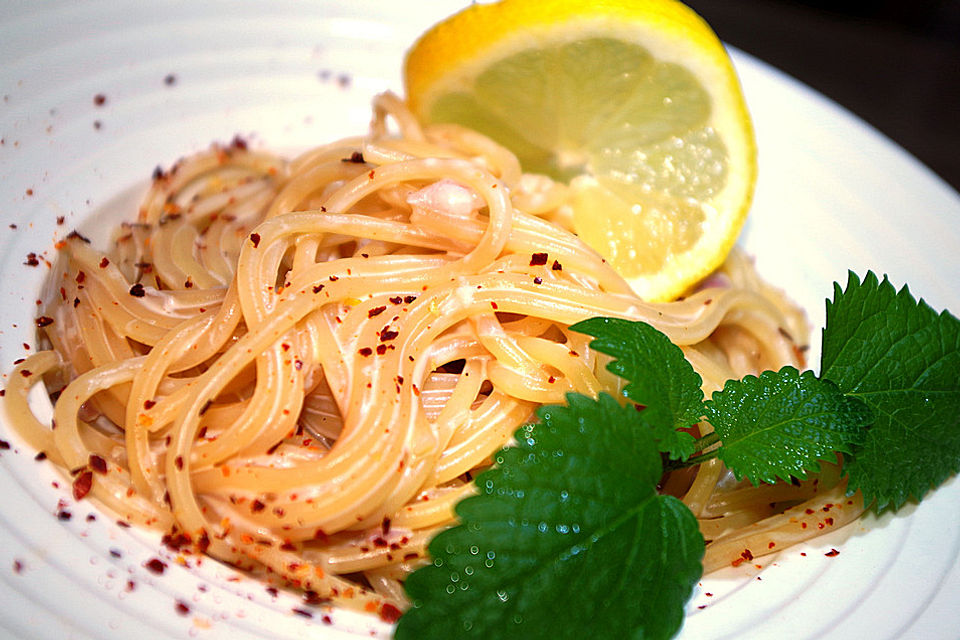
pixel 780 424
pixel 902 359
pixel 567 539
pixel 660 378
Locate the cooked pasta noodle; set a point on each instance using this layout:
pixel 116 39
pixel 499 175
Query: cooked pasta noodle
pixel 297 366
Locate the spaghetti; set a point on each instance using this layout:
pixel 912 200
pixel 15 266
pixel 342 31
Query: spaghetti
pixel 297 366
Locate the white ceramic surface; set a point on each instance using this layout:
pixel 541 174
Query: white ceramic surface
pixel 833 195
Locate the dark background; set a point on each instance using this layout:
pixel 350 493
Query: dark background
pixel 894 64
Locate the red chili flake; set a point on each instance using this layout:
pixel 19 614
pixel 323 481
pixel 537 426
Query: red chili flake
pixel 64 515
pixel 396 299
pixel 149 404
pixel 302 612
pixel 155 565
pixel 131 585
pixel 203 543
pixel 76 302
pixel 74 234
pixel 389 613
pixel 255 239
pixel 273 448
pixel 381 349
pixel 317 288
pixel 99 100
pixel 365 351
pixel 829 521
pixel 746 555
pixel 388 334
pixel 326 619
pixel 81 276
pixel 97 463
pixel 44 321
pixel 40 456
pixel 313 598
pixel 333 278
pixel 137 291
pixel 178 462
pixel 771 545
pixel 409 299
pixel 257 506
pixel 494 306
pixel 32 260
pixel 538 259
pixel 832 553
pixel 375 311
pixel 538 280
pixel 355 157
pixel 371 174
pixel 556 266
pixel 116 553
pixel 82 484
pixel 205 406
pixel 4 445
pixel 808 511
pixel 182 608
pixel 17 566
pixel 104 263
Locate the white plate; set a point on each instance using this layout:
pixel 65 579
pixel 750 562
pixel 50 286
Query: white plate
pixel 833 195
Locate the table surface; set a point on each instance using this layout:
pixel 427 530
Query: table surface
pixel 894 64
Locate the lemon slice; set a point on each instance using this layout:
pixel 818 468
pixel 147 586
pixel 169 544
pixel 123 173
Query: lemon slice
pixel 634 103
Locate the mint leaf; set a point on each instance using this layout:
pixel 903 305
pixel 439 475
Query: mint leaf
pixel 902 359
pixel 660 378
pixel 781 423
pixel 567 539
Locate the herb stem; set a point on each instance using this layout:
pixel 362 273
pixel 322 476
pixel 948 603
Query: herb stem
pixel 673 464
pixel 708 440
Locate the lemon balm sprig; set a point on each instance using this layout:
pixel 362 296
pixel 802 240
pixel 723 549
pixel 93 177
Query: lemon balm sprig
pixel 568 538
